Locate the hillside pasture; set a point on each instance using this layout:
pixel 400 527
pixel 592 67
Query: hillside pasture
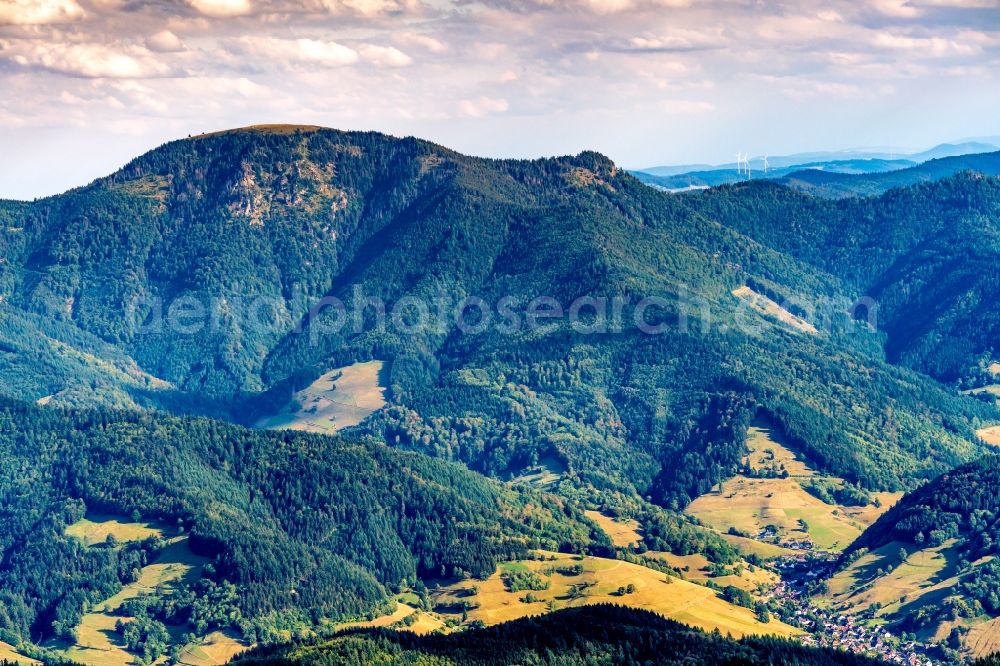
pixel 990 435
pixel 623 533
pixel 901 587
pixel 697 568
pixel 773 505
pixel 9 654
pixel 339 399
pixel 97 643
pixel 218 647
pixel 599 581
pixel 95 529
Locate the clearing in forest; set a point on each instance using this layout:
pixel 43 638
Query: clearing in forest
pixel 623 533
pixel 95 528
pixel 990 435
pixel 771 503
pixel 339 399
pixel 97 642
pixel 771 309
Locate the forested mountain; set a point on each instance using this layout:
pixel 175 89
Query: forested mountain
pixel 596 635
pixel 291 214
pixel 835 179
pixel 302 527
pixel 191 282
pixel 925 255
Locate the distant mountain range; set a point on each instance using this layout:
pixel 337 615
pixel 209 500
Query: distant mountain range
pixel 848 162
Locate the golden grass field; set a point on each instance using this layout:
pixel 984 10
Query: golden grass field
pixel 623 533
pixel 695 568
pixel 97 643
pixel 216 648
pixel 925 578
pixel 424 623
pixel 95 528
pixel 990 435
pixel 752 504
pixel 925 572
pixel 769 308
pixel 994 369
pixel 339 399
pixel 8 653
pixel 678 599
pixel 753 547
pixel 984 638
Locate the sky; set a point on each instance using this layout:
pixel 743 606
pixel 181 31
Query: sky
pixel 85 85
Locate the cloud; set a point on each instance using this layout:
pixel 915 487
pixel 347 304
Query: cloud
pixel 896 8
pixel 85 60
pixel 38 12
pixel 423 41
pixel 222 8
pixel 481 107
pixel 284 51
pixel 385 56
pixel 933 46
pixel 165 42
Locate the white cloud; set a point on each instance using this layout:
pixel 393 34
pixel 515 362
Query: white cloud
pixel 423 41
pixel 482 106
pixel 84 60
pixel 222 8
pixel 285 51
pixel 896 8
pixel 385 56
pixel 36 12
pixel 932 46
pixel 165 42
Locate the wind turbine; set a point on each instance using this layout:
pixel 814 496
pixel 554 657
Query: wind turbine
pixel 739 163
pixel 765 163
